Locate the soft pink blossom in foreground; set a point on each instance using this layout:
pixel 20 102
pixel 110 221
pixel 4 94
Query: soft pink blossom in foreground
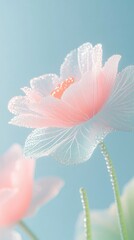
pixel 20 195
pixel 74 111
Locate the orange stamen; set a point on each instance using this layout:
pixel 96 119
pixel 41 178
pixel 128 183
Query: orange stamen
pixel 60 89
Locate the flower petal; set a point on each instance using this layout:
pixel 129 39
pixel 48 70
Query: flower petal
pixel 14 186
pixel 88 95
pixel 70 67
pixel 45 189
pixel 8 165
pixel 49 111
pixel 6 194
pixel 67 145
pixel 52 113
pixel 118 112
pixel 89 57
pixel 45 83
pixel 7 234
pixel 105 225
pixel 85 57
pixel 13 153
pixel 97 56
pixel 18 105
pixel 32 103
pixel 81 60
pixel 110 71
pixel 28 121
pixel 14 236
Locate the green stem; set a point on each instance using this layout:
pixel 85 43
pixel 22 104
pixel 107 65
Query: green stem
pixel 26 229
pixel 114 182
pixel 87 224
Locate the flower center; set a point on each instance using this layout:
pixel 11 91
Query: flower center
pixel 60 88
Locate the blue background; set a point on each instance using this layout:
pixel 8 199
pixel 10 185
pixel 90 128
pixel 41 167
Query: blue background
pixel 35 36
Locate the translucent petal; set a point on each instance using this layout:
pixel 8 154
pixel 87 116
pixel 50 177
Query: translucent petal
pixel 19 105
pixel 70 67
pixel 6 194
pixel 89 58
pixel 12 166
pixel 88 95
pixel 81 60
pixel 45 189
pixel 28 120
pixel 78 96
pixel 97 56
pixel 45 83
pixel 118 112
pixel 85 57
pixel 67 145
pixel 52 113
pixel 104 225
pixel 110 71
pixel 13 153
pixel 7 234
pixel 14 186
pixel 14 236
pixel 32 103
pixel 48 112
pixel 8 165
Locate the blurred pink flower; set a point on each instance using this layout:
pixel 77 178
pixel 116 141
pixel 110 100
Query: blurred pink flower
pixel 73 112
pixel 20 196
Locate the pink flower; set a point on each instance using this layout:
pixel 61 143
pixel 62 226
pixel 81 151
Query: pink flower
pixel 20 196
pixel 73 112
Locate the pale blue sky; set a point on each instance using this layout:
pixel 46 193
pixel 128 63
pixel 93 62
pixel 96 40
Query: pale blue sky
pixel 35 36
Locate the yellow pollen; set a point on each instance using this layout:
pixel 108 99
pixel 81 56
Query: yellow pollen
pixel 60 89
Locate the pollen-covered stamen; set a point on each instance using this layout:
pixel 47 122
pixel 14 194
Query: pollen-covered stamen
pixel 60 89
